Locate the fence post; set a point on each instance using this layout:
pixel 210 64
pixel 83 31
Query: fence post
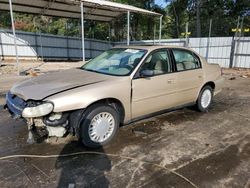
pixel 232 53
pixel 238 43
pixel 67 41
pixel 208 39
pixel 36 44
pixel 41 45
pixel 90 48
pixel 233 44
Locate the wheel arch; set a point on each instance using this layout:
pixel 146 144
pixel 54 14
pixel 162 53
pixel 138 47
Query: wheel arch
pixel 115 103
pixel 210 83
pixel 77 116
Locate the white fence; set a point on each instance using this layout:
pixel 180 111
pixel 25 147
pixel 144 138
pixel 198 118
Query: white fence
pixel 226 51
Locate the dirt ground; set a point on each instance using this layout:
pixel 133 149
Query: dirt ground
pixel 34 68
pixel 176 149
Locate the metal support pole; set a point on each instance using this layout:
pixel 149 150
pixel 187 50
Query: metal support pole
pixel 36 46
pixel 238 43
pixel 232 53
pixel 36 43
pixel 67 40
pixel 186 34
pixel 238 25
pixel 41 43
pixel 1 47
pixel 154 34
pixel 234 38
pixel 208 39
pixel 128 27
pixel 109 34
pixel 82 27
pixel 14 34
pixel 160 28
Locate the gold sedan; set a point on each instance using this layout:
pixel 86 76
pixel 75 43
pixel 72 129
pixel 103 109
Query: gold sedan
pixel 120 86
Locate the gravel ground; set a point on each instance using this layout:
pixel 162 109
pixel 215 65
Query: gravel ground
pixel 209 149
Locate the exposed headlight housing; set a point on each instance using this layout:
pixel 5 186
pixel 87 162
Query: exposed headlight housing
pixel 38 111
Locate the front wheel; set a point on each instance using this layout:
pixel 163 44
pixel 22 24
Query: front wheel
pixel 99 126
pixel 205 99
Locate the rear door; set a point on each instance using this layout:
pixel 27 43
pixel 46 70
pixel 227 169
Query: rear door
pixel 189 75
pixel 158 91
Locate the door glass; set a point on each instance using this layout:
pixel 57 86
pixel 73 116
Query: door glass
pixel 158 62
pixel 185 60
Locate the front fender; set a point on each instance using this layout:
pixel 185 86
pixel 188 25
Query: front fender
pixel 82 97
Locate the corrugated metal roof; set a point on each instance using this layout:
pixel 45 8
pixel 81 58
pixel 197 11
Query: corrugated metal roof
pixel 99 10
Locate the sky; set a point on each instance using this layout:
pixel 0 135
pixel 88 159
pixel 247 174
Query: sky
pixel 161 3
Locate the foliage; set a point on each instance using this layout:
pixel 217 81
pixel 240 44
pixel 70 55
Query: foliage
pixel 224 15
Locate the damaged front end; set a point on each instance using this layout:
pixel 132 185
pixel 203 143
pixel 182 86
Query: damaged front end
pixel 41 120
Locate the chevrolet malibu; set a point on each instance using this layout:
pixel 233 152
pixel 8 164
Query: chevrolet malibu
pixel 120 86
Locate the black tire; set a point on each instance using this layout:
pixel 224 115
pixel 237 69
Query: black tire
pixel 89 114
pixel 199 105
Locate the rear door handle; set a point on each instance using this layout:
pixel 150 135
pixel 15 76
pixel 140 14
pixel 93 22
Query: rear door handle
pixel 170 81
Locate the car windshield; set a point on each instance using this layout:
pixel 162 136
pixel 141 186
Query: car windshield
pixel 117 61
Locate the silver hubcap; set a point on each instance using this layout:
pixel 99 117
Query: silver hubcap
pixel 101 127
pixel 206 98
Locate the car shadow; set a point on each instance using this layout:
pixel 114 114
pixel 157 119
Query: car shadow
pixel 83 170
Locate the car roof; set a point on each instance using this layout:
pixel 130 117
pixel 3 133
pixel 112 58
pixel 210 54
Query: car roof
pixel 151 47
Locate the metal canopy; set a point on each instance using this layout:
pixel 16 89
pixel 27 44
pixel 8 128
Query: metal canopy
pixel 99 10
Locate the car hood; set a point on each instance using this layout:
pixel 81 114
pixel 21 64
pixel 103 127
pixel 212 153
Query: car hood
pixel 46 85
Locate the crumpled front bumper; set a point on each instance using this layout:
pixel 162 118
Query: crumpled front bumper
pixel 15 105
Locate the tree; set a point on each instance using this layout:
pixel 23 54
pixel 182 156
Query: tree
pixel 198 13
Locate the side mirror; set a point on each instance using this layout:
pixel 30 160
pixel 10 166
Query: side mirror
pixel 146 73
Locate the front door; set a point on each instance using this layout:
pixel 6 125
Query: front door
pixel 154 88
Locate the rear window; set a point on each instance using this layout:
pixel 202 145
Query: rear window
pixel 185 60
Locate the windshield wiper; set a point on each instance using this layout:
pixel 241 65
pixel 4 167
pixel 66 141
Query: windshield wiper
pixel 86 69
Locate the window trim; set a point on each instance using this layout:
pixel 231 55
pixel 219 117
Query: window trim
pixel 137 76
pixel 191 52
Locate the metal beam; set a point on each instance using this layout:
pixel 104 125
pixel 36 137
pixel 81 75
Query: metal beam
pixel 82 26
pixel 56 13
pixel 14 34
pixel 128 27
pixel 160 28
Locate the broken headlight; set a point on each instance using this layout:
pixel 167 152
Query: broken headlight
pixel 38 111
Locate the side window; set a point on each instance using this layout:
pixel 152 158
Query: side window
pixel 185 60
pixel 158 62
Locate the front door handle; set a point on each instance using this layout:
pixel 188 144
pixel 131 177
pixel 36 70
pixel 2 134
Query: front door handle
pixel 170 81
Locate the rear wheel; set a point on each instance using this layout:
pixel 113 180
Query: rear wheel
pixel 205 99
pixel 99 126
